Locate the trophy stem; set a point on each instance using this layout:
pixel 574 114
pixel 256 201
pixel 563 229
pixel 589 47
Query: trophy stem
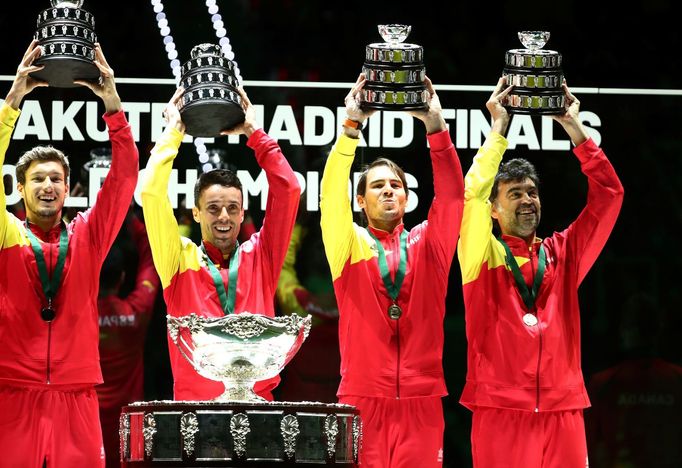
pixel 239 392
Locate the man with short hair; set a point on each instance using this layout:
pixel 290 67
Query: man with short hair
pixel 390 287
pixel 49 364
pixel 524 381
pixel 221 276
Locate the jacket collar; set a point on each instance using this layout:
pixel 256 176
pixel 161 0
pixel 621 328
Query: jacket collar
pixel 381 234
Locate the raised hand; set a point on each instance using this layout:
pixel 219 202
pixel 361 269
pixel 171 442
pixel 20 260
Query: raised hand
pixel 352 101
pixel 250 124
pixel 105 87
pixel 23 82
pixel 570 120
pixel 171 113
pixel 432 116
pixel 495 106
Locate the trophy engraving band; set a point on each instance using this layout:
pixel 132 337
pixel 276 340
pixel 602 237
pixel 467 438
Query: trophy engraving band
pixel 380 54
pixel 394 98
pixel 65 31
pixel 522 58
pixel 67 48
pixel 537 80
pixel 209 77
pixel 65 13
pixel 537 103
pixel 221 62
pixel 408 76
pixel 210 93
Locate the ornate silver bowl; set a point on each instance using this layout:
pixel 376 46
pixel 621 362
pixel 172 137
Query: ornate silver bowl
pixel 238 349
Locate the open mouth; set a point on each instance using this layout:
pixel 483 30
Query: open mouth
pixel 47 199
pixel 223 229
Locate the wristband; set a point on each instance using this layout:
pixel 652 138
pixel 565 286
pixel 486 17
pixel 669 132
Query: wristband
pixel 353 124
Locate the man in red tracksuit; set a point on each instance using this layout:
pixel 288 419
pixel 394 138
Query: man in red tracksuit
pixel 192 275
pixel 123 323
pixel 390 287
pixel 49 277
pixel 524 381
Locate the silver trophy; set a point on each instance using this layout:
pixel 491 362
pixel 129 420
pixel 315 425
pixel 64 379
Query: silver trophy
pixel 536 75
pixel 395 72
pixel 67 36
pixel 210 102
pixel 238 349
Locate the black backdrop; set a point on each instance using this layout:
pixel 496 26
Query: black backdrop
pixel 603 47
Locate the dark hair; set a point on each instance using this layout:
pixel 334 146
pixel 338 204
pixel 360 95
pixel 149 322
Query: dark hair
pixel 41 153
pixel 223 177
pixel 517 170
pixel 397 170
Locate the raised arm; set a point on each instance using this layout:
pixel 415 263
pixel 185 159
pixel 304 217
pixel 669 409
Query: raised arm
pixel 445 213
pixel 9 113
pixel 588 234
pixel 284 191
pixel 162 227
pixel 113 200
pixel 476 230
pixel 335 204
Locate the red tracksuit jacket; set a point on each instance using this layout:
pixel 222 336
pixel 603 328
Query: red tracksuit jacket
pixel 512 365
pixel 187 283
pixel 64 352
pixel 381 357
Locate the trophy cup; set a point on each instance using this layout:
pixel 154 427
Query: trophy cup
pixel 66 34
pixel 210 102
pixel 238 349
pixel 395 72
pixel 536 75
pixel 239 428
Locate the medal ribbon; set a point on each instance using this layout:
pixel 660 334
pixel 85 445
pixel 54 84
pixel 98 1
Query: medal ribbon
pixel 528 296
pixel 50 285
pixel 227 298
pixel 393 287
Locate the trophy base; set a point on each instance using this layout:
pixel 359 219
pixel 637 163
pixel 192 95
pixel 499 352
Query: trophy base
pixel 209 433
pixel 61 72
pixel 207 118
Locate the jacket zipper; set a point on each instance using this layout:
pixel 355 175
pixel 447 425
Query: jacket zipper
pixel 397 373
pixel 49 324
pixel 537 370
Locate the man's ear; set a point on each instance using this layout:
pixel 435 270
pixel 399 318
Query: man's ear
pixel 195 213
pixel 493 210
pixel 20 188
pixel 361 201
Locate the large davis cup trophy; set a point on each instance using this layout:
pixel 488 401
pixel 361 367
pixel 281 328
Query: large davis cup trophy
pixel 395 72
pixel 67 35
pixel 210 102
pixel 536 75
pixel 239 428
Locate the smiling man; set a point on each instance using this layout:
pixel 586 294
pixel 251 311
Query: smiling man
pixel 220 276
pixel 49 279
pixel 524 381
pixel 390 287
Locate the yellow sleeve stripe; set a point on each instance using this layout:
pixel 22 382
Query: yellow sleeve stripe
pixel 340 235
pixel 162 227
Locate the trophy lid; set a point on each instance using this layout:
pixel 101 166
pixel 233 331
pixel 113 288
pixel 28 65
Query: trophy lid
pixel 206 50
pixel 533 40
pixel 66 3
pixel 394 33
